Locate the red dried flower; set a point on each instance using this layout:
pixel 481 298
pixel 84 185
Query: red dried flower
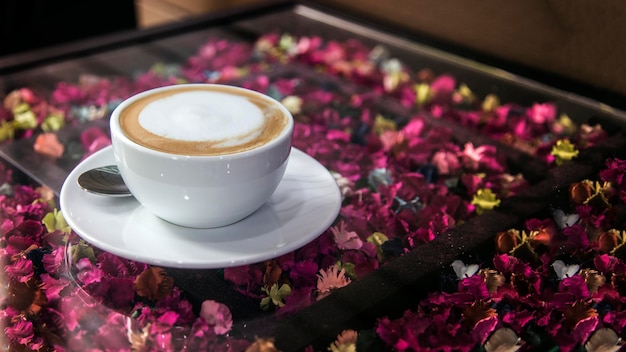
pixel 580 192
pixel 578 312
pixel 609 240
pixel 478 311
pixel 153 284
pixel 272 273
pixel 506 241
pixel 27 297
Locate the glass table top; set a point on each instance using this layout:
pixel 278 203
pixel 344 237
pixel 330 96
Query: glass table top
pixel 477 206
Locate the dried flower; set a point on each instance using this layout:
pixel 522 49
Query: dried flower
pixel 329 280
pixel 217 315
pixel 12 99
pixel 153 284
pixel 593 279
pixel 48 144
pixel 23 116
pixel 604 340
pixel 564 271
pixel 503 340
pixel 564 151
pixel 490 103
pixel 493 279
pixel 272 273
pixel 138 338
pixel 463 271
pixel 53 122
pixel 446 162
pixel 345 239
pixel 564 220
pixel 293 104
pixel 262 345
pixel 506 241
pixel 464 95
pixel 346 342
pixel 485 199
pixel 542 113
pixel 609 241
pixel 26 297
pixel 7 131
pixel 82 250
pixel 345 185
pixel 580 192
pixel 478 311
pixel 55 221
pixel 275 295
pixel 578 312
pixel 382 125
pixel 21 331
pixel 564 125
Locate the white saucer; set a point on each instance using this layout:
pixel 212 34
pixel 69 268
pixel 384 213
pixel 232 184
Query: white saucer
pixel 304 205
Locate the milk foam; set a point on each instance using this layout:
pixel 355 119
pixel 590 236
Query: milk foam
pixel 203 116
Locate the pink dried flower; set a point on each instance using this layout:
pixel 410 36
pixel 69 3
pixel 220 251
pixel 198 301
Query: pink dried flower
pixel 475 285
pixel 443 87
pixel 542 113
pixel 94 139
pixel 576 286
pixel 217 315
pixel 21 269
pixel 346 239
pixel 52 261
pixel 329 280
pixel 66 92
pixel 614 171
pixel 446 162
pixel 54 287
pixel 21 331
pixel 605 263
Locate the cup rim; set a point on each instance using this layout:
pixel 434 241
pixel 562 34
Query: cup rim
pixel 116 130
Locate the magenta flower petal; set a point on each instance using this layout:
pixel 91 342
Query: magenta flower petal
pixel 217 315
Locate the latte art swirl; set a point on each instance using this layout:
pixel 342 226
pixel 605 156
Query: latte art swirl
pixel 202 121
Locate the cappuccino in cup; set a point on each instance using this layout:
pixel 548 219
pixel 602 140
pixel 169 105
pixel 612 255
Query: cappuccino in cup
pixel 201 155
pixel 202 120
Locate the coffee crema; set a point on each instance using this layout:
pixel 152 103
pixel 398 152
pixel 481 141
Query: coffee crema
pixel 197 120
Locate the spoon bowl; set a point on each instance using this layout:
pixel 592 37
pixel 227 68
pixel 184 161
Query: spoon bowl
pixel 104 180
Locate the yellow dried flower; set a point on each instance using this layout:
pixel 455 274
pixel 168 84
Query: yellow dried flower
pixel 53 122
pixel 275 295
pixel 381 124
pixel 464 94
pixel 490 103
pixel 378 238
pixel 24 118
pixel 7 131
pixel 293 104
pixel 485 199
pixel 566 125
pixel 423 93
pixel 54 221
pixel 564 151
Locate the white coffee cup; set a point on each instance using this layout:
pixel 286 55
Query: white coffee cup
pixel 201 155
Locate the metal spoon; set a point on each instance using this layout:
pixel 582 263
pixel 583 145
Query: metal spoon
pixel 104 180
